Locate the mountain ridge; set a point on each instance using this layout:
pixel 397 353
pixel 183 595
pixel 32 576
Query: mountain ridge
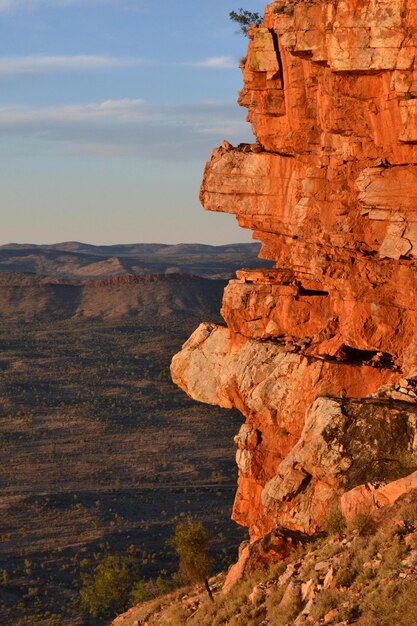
pixel 78 260
pixel 29 297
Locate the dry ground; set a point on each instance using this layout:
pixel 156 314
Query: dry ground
pixel 99 451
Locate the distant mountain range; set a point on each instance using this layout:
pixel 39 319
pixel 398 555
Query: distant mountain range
pixel 74 260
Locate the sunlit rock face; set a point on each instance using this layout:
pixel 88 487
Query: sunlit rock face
pixel 319 352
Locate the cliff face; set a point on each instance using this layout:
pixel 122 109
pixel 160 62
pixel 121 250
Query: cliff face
pixel 319 353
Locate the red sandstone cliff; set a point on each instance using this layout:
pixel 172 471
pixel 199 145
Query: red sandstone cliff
pixel 320 353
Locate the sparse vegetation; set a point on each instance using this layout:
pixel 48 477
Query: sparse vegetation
pixel 409 514
pixel 325 601
pixel 128 453
pixel 364 524
pixel 335 523
pixel 394 602
pixel 288 607
pixel 245 19
pixel 285 9
pixel 357 579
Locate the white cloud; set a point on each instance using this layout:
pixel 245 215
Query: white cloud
pixel 34 64
pixel 111 110
pixel 126 127
pixel 216 63
pixel 37 64
pixel 10 5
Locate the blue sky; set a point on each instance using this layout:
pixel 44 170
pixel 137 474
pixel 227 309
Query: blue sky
pixel 108 111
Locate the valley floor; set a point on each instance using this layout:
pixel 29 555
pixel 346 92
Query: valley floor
pixel 99 451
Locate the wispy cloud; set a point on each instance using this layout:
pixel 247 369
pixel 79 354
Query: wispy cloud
pixel 40 64
pixel 11 5
pixel 124 110
pixel 126 127
pixel 34 64
pixel 215 63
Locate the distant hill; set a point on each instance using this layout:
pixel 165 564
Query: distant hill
pixel 28 297
pixel 74 260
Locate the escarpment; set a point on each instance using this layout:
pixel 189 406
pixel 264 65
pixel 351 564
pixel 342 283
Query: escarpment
pixel 320 352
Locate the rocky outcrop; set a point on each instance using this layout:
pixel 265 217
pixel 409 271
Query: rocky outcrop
pixel 276 546
pixel 319 353
pixel 290 450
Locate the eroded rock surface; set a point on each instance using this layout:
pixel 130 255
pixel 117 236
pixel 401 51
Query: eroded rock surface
pixel 319 353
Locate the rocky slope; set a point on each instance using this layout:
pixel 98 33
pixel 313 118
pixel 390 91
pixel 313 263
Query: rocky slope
pixel 364 574
pixel 320 352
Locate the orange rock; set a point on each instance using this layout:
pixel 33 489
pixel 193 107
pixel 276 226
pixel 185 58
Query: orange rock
pixel 369 498
pixel 296 450
pixel 330 191
pixel 273 547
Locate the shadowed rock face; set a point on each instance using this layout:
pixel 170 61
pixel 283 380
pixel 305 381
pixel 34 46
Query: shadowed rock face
pixel 330 190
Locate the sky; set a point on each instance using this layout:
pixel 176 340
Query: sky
pixel 108 111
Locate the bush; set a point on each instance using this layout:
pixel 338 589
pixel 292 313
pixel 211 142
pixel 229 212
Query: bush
pixel 325 602
pixel 409 514
pixel 346 576
pixel 392 557
pixel 4 578
pixel 139 593
pixel 334 523
pixel 364 524
pixel 106 592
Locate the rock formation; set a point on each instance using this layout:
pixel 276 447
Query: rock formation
pixel 320 352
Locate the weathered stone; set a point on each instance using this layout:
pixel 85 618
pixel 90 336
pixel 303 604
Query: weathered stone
pixel 331 616
pixel 274 547
pixel 319 352
pixel 257 594
pixel 329 581
pixel 307 590
pixel 369 498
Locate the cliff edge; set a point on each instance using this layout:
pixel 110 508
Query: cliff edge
pixel 319 353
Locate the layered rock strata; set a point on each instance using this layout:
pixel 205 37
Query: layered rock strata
pixel 319 353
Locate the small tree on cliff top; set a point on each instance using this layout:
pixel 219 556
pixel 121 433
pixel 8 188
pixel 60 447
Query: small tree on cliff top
pixel 190 541
pixel 245 19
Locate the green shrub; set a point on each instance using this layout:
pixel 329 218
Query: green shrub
pixel 324 602
pixel 409 514
pixel 106 591
pixel 139 593
pixel 346 576
pixel 335 523
pixel 392 557
pixel 4 578
pixel 364 524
